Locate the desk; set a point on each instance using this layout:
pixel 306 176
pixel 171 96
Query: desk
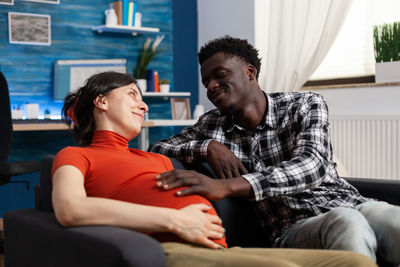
pixel 45 126
pixel 39 125
pixel 53 126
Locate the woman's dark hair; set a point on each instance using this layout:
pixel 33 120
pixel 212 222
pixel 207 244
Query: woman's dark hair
pixel 78 106
pixel 234 46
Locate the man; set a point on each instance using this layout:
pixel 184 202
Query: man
pixel 275 149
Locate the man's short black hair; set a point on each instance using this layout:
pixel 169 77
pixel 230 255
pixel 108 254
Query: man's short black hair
pixel 234 46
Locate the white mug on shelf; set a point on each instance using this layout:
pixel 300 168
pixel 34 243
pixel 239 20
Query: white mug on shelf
pixel 111 17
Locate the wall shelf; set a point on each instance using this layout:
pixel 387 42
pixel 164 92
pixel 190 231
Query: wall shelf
pixel 125 29
pixel 171 94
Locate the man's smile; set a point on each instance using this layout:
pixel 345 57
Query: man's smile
pixel 217 95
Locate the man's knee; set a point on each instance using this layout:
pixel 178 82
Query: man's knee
pixel 347 229
pixel 346 216
pixel 346 221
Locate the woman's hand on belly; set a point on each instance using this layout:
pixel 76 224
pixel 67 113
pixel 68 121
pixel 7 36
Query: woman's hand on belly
pixel 193 224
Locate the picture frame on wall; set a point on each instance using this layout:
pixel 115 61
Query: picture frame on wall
pixel 29 29
pixel 180 108
pixel 44 1
pixel 7 2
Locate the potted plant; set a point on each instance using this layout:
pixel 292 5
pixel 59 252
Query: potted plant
pixel 147 54
pixel 164 85
pixel 47 113
pixel 387 52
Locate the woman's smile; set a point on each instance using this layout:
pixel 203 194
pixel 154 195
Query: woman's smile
pixel 140 115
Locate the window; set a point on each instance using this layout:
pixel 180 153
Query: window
pixel 352 53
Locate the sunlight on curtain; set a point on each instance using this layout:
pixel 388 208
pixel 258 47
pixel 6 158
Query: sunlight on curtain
pixel 352 53
pixel 293 37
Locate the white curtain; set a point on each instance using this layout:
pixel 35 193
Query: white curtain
pixel 293 37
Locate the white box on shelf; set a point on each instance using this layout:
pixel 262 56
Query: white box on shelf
pixel 16 114
pixel 387 72
pixel 32 111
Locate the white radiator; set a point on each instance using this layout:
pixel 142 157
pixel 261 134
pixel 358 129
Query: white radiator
pixel 367 146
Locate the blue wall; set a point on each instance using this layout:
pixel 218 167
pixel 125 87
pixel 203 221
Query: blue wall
pixel 29 68
pixel 185 48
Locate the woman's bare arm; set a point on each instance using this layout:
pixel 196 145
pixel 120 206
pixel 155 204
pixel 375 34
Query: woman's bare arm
pixel 74 208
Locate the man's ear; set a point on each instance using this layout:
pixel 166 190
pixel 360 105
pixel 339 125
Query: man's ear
pixel 251 72
pixel 100 102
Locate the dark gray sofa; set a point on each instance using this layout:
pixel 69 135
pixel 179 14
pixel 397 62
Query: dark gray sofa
pixel 33 237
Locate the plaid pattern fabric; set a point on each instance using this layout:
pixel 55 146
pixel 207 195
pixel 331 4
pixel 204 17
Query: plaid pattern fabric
pixel 288 157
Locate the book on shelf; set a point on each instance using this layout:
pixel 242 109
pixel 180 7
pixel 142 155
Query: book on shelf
pixel 117 5
pixel 152 81
pixel 129 9
pixel 156 84
pixel 132 13
pixel 125 10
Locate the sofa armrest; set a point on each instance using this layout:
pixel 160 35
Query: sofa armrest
pixel 381 189
pixel 44 242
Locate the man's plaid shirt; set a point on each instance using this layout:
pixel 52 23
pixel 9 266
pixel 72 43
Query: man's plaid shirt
pixel 288 157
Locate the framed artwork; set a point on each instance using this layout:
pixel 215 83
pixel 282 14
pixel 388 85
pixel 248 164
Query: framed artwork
pixel 7 2
pixel 180 108
pixel 44 1
pixel 29 29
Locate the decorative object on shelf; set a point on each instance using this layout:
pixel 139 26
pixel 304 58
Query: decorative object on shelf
pixel 111 17
pixel 164 86
pixel 147 54
pixel 387 52
pixel 198 111
pixel 142 84
pixel 180 108
pixel 138 19
pixel 30 29
pixel 7 2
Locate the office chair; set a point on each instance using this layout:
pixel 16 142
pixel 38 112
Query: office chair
pixel 9 169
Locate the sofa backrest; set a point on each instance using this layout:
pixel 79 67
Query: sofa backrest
pixel 43 193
